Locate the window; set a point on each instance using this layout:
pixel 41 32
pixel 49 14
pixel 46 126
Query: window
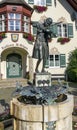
pixel 26 24
pixel 56 60
pixel 40 2
pixel 62 30
pixel 76 24
pixel 14 22
pixel 2 23
pixel 34 31
pixel 30 1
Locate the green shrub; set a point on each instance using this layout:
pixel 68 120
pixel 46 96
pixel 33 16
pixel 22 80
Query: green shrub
pixel 71 69
pixel 72 75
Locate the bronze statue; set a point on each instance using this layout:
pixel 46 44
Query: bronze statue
pixel 41 49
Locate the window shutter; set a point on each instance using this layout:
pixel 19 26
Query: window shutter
pixel 70 30
pixel 48 2
pixel 62 60
pixel 34 30
pixel 30 1
pixel 47 63
pixel 53 29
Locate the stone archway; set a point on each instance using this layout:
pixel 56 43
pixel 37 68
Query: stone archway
pixel 14 65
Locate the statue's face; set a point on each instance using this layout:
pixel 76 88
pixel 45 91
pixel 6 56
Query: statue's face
pixel 48 21
pixel 46 24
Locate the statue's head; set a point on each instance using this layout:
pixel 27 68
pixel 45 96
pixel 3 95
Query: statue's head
pixel 48 21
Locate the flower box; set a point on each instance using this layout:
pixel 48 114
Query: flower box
pixel 28 37
pixel 63 40
pixel 2 36
pixel 49 40
pixel 40 8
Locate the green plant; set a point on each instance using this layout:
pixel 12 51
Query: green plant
pixel 63 40
pixel 2 35
pixel 72 75
pixel 71 69
pixel 28 36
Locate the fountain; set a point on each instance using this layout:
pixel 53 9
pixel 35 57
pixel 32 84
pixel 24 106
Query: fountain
pixel 42 106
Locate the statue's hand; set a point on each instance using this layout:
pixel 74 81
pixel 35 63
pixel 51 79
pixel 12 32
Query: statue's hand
pixel 47 30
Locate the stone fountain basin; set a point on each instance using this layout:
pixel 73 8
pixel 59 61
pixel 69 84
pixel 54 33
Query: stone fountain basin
pixel 32 117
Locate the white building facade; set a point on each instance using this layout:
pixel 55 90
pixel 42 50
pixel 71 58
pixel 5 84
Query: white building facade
pixel 17 36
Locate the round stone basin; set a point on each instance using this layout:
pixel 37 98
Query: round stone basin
pixel 38 117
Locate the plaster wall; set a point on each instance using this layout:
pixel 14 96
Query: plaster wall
pixel 62 9
pixel 21 47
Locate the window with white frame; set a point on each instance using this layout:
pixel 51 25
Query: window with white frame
pixel 2 23
pixel 14 22
pixel 26 24
pixel 62 30
pixel 40 2
pixel 56 60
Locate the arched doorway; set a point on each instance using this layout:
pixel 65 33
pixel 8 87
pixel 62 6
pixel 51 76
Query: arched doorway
pixel 14 65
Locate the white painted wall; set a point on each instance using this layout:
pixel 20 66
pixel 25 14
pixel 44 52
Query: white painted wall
pixel 55 13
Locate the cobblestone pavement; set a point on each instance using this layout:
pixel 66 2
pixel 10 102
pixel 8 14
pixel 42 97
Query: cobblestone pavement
pixel 6 93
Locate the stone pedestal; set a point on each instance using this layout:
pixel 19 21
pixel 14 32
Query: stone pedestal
pixel 42 117
pixel 30 68
pixel 42 79
pixel 1 126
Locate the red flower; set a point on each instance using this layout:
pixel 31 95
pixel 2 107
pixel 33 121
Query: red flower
pixel 29 37
pixel 0 37
pixel 40 8
pixel 63 40
pixel 49 40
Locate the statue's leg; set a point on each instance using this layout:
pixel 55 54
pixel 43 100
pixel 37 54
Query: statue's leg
pixel 43 66
pixel 38 62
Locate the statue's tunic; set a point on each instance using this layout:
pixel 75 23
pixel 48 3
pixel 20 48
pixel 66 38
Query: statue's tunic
pixel 41 49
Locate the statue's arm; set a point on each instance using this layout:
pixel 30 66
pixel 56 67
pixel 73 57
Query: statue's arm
pixel 34 23
pixel 37 25
pixel 51 32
